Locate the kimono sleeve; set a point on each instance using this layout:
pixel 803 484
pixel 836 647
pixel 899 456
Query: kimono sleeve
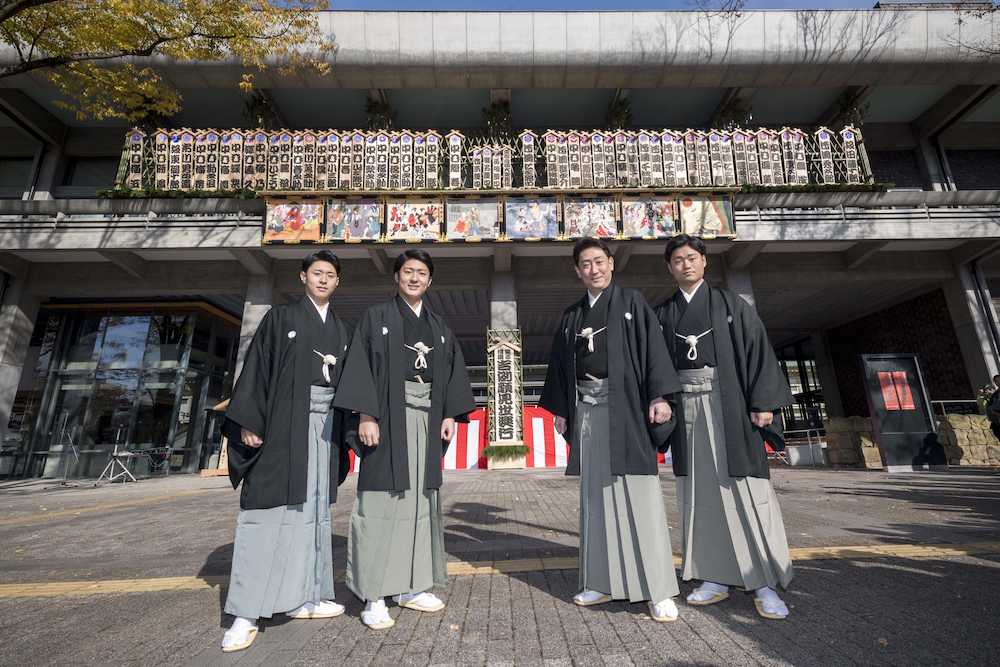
pixel 356 389
pixel 767 387
pixel 248 404
pixel 660 375
pixel 458 398
pixel 555 393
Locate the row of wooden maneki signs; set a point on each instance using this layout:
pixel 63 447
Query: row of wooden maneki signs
pixel 412 219
pixel 228 160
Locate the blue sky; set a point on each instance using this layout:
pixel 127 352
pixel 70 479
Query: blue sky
pixel 583 5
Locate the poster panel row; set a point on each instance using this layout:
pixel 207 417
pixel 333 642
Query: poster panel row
pixel 376 219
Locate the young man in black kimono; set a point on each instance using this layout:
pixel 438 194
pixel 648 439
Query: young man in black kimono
pixel 608 378
pixel 284 446
pixel 733 532
pixel 406 377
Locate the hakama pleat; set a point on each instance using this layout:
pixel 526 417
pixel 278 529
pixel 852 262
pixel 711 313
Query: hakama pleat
pixel 396 540
pixel 624 539
pixel 283 556
pixel 732 529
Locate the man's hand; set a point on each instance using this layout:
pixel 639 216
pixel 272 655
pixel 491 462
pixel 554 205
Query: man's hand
pixel 561 425
pixel 762 419
pixel 659 411
pixel 250 439
pixel 368 431
pixel 447 429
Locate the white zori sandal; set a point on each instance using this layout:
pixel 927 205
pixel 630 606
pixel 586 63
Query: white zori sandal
pixel 376 615
pixel 325 609
pixel 664 611
pixel 708 593
pixel 587 598
pixel 769 605
pixel 240 635
pixel 420 601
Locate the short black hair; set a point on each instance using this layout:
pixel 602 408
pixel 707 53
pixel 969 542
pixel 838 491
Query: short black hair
pixel 417 254
pixel 586 243
pixel 320 256
pixel 681 240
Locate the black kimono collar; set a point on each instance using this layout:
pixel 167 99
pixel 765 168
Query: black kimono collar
pixel 407 312
pixel 307 303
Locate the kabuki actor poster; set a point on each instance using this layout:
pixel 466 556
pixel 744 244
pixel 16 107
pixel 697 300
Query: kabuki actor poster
pixel 649 217
pixel 473 218
pixel 532 218
pixel 707 217
pixel 413 219
pixel 590 217
pixel 293 222
pixel 354 220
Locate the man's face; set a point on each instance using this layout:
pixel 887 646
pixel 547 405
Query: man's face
pixel 996 381
pixel 413 279
pixel 687 265
pixel 321 280
pixel 594 269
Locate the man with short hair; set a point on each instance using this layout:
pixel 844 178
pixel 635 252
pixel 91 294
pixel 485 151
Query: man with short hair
pixel 406 377
pixel 733 532
pixel 284 446
pixel 608 378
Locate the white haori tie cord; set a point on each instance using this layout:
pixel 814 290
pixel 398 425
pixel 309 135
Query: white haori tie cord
pixel 692 342
pixel 421 351
pixel 589 334
pixel 328 361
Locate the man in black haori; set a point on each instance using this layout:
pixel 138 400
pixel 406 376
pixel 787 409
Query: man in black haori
pixel 732 530
pixel 608 378
pixel 285 447
pixel 406 377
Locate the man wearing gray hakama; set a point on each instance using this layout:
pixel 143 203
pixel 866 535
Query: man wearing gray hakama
pixel 283 556
pixel 609 375
pixel 406 377
pixel 732 532
pixel 284 447
pixel 399 534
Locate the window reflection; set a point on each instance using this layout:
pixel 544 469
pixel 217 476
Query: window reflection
pixel 139 380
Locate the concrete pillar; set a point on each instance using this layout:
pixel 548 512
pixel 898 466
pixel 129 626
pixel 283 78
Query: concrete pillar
pixel 930 165
pixel 739 283
pixel 971 318
pixel 259 299
pixel 827 375
pixel 50 173
pixel 503 301
pixel 17 318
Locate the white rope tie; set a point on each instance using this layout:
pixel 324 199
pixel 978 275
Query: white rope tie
pixel 692 342
pixel 421 351
pixel 589 334
pixel 328 361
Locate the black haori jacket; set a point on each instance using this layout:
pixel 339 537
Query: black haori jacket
pixel 374 384
pixel 271 399
pixel 749 377
pixel 639 370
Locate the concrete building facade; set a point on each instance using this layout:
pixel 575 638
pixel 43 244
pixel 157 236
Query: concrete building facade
pixel 123 320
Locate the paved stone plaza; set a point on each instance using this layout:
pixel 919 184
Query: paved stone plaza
pixel 136 575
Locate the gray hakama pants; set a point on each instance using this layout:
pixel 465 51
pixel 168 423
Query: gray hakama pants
pixel 624 540
pixel 396 541
pixel 283 556
pixel 732 530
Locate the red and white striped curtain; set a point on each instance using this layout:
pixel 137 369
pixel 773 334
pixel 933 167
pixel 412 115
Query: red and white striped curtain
pixel 546 447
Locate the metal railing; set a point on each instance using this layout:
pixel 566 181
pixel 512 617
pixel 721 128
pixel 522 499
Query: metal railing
pixel 805 436
pixel 955 407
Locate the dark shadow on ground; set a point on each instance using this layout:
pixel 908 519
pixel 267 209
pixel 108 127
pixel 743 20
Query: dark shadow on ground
pixel 469 535
pixel 950 510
